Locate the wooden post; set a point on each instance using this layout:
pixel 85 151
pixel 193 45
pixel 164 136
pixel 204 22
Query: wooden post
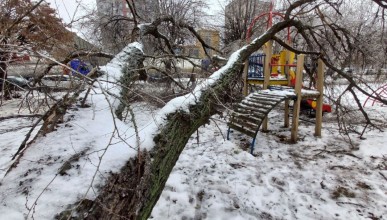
pixel 297 90
pixel 245 75
pixel 266 80
pixel 319 106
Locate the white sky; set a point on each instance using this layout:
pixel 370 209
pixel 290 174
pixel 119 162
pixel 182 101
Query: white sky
pixel 69 10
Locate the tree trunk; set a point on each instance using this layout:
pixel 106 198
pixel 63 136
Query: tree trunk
pixel 3 72
pixel 132 193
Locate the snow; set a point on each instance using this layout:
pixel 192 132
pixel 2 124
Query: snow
pixel 219 179
pixel 214 178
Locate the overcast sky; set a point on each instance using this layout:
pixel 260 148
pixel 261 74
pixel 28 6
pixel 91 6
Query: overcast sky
pixel 69 10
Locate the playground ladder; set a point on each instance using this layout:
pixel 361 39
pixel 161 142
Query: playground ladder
pixel 249 114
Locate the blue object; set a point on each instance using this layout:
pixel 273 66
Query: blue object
pixel 256 64
pixel 79 66
pixel 206 64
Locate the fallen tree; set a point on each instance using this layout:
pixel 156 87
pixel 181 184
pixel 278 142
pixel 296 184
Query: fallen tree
pixel 132 193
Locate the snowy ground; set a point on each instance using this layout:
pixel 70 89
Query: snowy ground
pixel 317 178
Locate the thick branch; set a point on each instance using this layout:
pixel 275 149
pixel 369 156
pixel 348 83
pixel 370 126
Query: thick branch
pixel 381 3
pixel 287 46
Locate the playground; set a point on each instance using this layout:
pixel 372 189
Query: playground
pixel 221 150
pixel 272 78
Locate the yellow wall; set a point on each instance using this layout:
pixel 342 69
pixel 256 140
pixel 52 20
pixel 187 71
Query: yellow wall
pixel 211 37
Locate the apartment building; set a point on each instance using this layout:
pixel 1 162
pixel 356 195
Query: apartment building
pixel 115 35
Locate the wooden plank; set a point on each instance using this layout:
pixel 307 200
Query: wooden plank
pixel 245 114
pixel 258 112
pixel 268 97
pixel 259 107
pixel 297 90
pixel 250 111
pixel 242 130
pixel 263 100
pixel 254 120
pixel 266 94
pixel 244 124
pixel 272 82
pixel 309 96
pixel 320 89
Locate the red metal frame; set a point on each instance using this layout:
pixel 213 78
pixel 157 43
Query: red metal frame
pixel 381 92
pixel 269 22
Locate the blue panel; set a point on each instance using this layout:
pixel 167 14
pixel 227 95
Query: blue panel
pixel 256 66
pixel 79 66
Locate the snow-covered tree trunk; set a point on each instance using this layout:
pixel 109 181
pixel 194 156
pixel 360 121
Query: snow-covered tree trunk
pixel 132 193
pixel 133 70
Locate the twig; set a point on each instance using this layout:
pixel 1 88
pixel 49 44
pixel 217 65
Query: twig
pixel 383 175
pixel 337 152
pixel 224 139
pixel 350 203
pixel 36 200
pixel 20 116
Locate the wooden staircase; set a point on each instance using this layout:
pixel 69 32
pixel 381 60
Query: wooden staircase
pixel 249 114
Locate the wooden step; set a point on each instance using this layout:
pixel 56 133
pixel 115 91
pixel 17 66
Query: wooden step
pixel 259 110
pixel 263 100
pixel 252 119
pixel 250 111
pixel 269 96
pixel 247 114
pixel 242 130
pixel 260 107
pixel 244 123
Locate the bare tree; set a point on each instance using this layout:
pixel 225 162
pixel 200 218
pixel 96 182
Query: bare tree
pixel 240 14
pixel 29 26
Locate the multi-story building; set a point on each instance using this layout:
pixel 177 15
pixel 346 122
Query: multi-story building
pixel 210 37
pixel 115 35
pixel 144 8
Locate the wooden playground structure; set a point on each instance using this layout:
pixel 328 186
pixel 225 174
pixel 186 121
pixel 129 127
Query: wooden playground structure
pixel 280 76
